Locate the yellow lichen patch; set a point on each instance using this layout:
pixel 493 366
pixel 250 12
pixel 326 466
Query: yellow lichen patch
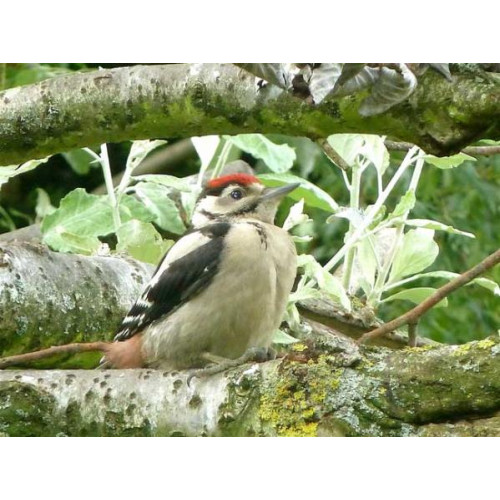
pixel 422 348
pixel 292 403
pixel 486 343
pixel 299 347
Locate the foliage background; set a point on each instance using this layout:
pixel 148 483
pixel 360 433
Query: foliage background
pixel 467 197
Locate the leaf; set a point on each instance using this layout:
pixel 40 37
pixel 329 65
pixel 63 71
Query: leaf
pixel 166 214
pixel 65 241
pixel 131 208
pixel 79 213
pixel 448 161
pixel 274 73
pixel 296 216
pixel 348 146
pixel 206 147
pixel 405 204
pixel 79 160
pixel 142 241
pixel 43 206
pixel 367 263
pixel 312 195
pixel 417 252
pixel 139 151
pixel 177 183
pixel 281 337
pixel 390 88
pixel 13 170
pixel 278 157
pixel 438 226
pixel 353 215
pixel 328 283
pixel 323 80
pixel 416 295
pixel 374 150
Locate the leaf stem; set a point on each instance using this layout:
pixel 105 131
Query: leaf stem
pixel 108 180
pixel 370 215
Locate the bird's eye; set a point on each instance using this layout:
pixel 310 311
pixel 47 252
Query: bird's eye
pixel 237 194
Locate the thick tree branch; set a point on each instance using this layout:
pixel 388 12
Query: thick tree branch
pixel 326 387
pixel 142 102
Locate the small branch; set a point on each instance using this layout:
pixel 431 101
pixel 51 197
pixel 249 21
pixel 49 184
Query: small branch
pixel 470 150
pixel 76 348
pixel 333 155
pixel 414 314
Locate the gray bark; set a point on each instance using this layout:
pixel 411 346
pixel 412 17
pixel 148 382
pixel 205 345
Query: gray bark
pixel 325 387
pixel 142 102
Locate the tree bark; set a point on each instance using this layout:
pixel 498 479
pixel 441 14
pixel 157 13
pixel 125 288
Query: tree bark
pixel 140 102
pixel 326 387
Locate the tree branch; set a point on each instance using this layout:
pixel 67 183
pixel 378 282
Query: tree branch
pixel 414 314
pixel 470 150
pixel 328 387
pixel 140 102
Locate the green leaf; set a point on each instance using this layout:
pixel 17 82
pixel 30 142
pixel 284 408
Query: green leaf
pixel 438 226
pixel 65 241
pixel 296 216
pixel 374 149
pixel 206 147
pixel 416 295
pixel 405 204
pixel 327 283
pixel 79 160
pixel 278 157
pixel 448 161
pixel 12 170
pixel 79 213
pixel 43 206
pixel 139 151
pixel 313 195
pixel 367 262
pixel 142 241
pixel 131 208
pixel 348 146
pixel 166 214
pixel 281 337
pixel 417 252
pixel 176 183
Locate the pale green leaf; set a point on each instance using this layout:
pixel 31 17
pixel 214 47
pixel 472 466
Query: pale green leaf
pixel 295 216
pixel 206 147
pixel 79 160
pixel 65 241
pixel 278 157
pixel 416 295
pixel 417 252
pixel 448 161
pixel 405 204
pixel 13 170
pixel 131 208
pixel 43 205
pixel 176 183
pixel 142 241
pixel 155 198
pixel 347 146
pixel 374 150
pixel 438 226
pixel 139 151
pixel 281 337
pixel 367 262
pixel 313 195
pixel 81 214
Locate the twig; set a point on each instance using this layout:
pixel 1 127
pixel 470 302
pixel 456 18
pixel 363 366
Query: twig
pixel 415 313
pixel 333 155
pixel 51 351
pixel 470 150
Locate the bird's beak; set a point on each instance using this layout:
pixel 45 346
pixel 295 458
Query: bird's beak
pixel 278 192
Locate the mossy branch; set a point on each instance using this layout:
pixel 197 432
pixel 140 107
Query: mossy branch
pixel 141 102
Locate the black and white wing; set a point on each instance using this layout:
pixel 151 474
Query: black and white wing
pixel 187 268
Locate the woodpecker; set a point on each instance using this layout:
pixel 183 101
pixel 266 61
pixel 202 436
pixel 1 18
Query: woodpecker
pixel 220 291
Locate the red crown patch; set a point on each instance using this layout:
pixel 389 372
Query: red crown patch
pixel 241 179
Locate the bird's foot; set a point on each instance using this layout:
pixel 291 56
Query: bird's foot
pixel 253 354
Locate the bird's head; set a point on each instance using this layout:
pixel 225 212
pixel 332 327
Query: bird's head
pixel 238 196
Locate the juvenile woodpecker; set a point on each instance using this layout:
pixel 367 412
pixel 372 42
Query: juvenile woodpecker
pixel 221 290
